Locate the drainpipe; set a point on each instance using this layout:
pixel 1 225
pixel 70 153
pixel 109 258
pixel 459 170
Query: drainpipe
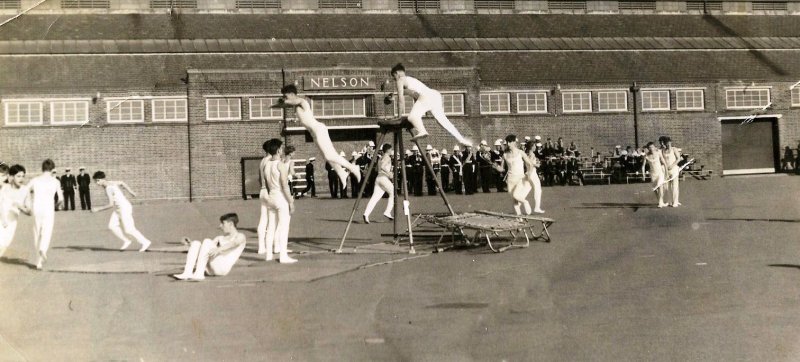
pixel 188 136
pixel 635 91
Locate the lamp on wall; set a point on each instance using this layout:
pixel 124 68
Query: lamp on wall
pixel 95 98
pixel 555 89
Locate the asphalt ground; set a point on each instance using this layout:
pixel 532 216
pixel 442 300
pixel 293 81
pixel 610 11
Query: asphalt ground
pixel 717 279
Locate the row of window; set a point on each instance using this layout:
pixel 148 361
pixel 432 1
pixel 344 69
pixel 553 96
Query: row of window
pixel 123 110
pixel 713 5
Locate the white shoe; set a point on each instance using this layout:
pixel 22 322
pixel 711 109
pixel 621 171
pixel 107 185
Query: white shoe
pixel 269 257
pixel 538 211
pixel 678 204
pixel 181 276
pixel 419 136
pixel 196 278
pixel 144 247
pixel 125 245
pixel 287 260
pixel 39 264
pixel 662 205
pixel 388 216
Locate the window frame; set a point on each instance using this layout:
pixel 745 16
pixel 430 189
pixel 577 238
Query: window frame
pixel 744 89
pixel 354 98
pixel 702 100
pixel 615 110
pixel 173 120
pixel 492 93
pixel 792 92
pixel 262 118
pixel 109 108
pixel 563 103
pixel 546 103
pixel 8 102
pixel 53 122
pixel 669 100
pixel 208 108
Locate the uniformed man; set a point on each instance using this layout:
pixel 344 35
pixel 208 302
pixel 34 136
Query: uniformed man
pixel 333 181
pixel 354 184
pixel 310 186
pixel 68 186
pixel 445 171
pixel 484 162
pixel 84 180
pixel 469 171
pixel 497 160
pixel 417 170
pixel 457 168
pixel 430 178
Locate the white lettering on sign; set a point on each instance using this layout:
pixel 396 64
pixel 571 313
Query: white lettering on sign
pixel 323 83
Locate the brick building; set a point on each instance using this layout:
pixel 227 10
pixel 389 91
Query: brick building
pixel 172 102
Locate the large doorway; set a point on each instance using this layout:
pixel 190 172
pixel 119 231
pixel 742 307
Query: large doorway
pixel 749 146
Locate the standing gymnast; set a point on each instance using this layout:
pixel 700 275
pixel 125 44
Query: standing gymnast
pixel 655 161
pixel 383 183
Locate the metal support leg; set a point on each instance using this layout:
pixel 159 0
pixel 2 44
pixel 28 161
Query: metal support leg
pixel 406 203
pixel 436 178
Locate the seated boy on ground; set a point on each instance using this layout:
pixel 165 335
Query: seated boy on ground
pixel 217 256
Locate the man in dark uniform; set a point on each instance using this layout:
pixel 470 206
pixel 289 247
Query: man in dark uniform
pixel 445 170
pixel 310 186
pixel 417 170
pixel 470 175
pixel 457 167
pixel 497 160
pixel 434 159
pixel 68 186
pixel 354 184
pixel 333 181
pixel 484 162
pixel 84 180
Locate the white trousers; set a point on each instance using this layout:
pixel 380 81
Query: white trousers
pixel 432 101
pixel 323 141
pixel 124 216
pixel 7 235
pixel 672 186
pixel 278 221
pixel 536 185
pixel 518 187
pixel 263 221
pixel 42 231
pixel 198 263
pixel 382 185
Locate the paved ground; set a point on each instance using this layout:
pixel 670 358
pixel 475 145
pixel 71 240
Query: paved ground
pixel 717 279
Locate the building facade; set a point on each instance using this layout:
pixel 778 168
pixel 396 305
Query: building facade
pixel 172 103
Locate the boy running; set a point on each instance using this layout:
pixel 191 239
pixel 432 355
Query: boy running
pixel 43 190
pixel 123 212
pixel 12 201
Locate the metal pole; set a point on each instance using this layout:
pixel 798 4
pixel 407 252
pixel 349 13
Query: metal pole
pixel 435 178
pixel 635 91
pixel 406 203
pixel 189 139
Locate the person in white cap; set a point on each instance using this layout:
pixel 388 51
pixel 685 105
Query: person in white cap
pixel 483 160
pixel 430 178
pixel 497 160
pixel 456 167
pixel 84 180
pixel 383 184
pixel 425 100
pixel 319 132
pixel 445 171
pixel 417 170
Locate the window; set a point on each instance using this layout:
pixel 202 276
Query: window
pixel 453 104
pixel 258 4
pixel 612 101
pixel 576 102
pixel 494 4
pixel 795 97
pixel 260 108
pixel 339 107
pixel 655 100
pixel 747 98
pixel 340 4
pixel 10 4
pixel 85 4
pixel 495 103
pixel 173 4
pixel 69 112
pixel 770 6
pixel 169 110
pixel 532 102
pixel 566 5
pixel 420 4
pixel 23 113
pixel 704 5
pixel 124 111
pixel 689 99
pixel 637 5
pixel 223 109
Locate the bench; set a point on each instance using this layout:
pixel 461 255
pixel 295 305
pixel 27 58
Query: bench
pixel 597 176
pixel 700 174
pixel 636 176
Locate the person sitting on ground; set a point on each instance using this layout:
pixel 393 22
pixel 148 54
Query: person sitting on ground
pixel 217 256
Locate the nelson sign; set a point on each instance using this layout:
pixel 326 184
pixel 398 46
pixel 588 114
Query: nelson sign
pixel 338 83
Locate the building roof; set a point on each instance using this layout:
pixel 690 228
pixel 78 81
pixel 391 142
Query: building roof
pixel 380 26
